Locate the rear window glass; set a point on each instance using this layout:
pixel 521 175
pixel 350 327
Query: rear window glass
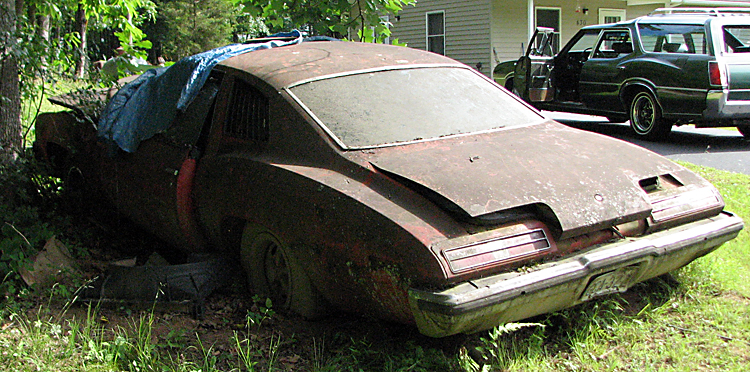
pixel 737 39
pixel 666 38
pixel 388 107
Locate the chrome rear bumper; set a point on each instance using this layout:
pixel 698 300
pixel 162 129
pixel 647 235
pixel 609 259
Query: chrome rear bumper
pixel 485 303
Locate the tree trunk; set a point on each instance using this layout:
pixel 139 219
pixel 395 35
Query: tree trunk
pixel 82 22
pixel 10 98
pixel 43 32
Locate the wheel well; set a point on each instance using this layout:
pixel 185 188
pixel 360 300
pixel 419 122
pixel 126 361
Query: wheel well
pixel 629 92
pixel 231 233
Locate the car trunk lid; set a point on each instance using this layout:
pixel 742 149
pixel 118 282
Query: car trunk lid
pixel 588 181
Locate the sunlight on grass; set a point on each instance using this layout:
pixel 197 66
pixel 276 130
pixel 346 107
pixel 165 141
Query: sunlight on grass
pixel 730 264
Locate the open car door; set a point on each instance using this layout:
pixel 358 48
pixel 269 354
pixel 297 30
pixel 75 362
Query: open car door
pixel 533 70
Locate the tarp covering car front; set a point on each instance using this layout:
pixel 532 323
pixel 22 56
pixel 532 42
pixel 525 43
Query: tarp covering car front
pixel 148 105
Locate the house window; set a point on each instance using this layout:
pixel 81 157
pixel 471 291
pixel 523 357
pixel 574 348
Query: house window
pixel 550 18
pixel 611 15
pixel 248 116
pixel 436 32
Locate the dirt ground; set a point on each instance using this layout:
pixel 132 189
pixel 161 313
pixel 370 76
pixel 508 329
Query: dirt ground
pixel 228 314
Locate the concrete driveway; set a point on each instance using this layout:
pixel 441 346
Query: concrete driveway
pixel 718 148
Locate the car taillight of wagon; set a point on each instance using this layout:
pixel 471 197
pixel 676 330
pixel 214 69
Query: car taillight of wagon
pixel 716 74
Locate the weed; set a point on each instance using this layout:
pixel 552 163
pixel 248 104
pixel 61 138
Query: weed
pixel 246 353
pixel 262 310
pixel 494 350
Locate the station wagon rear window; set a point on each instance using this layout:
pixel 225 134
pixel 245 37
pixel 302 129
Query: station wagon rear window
pixel 673 38
pixel 404 105
pixel 737 39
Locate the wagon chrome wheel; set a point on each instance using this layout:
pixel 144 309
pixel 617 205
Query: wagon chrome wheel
pixel 272 272
pixel 645 117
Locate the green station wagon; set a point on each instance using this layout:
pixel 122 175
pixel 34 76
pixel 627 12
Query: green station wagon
pixel 675 66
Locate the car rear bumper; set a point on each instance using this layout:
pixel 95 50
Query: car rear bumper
pixel 720 106
pixel 485 303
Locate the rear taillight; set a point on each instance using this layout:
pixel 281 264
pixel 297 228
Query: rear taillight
pixel 716 74
pixel 515 243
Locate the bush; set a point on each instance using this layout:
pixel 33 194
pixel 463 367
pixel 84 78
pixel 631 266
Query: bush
pixel 28 199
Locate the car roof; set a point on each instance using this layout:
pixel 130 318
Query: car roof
pixel 685 16
pixel 287 65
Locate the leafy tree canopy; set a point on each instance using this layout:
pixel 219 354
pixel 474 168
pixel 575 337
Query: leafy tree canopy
pixel 329 17
pixel 194 26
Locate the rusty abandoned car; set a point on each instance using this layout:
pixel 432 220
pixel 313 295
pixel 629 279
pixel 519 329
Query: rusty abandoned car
pixel 396 183
pixel 676 66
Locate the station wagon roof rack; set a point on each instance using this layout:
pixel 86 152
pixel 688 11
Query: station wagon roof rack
pixel 715 12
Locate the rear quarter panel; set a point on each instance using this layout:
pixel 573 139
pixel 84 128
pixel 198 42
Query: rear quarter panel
pixel 350 229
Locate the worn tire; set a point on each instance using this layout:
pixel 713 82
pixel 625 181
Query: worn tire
pixel 273 272
pixel 509 84
pixel 646 118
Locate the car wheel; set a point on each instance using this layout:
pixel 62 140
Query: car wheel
pixel 273 272
pixel 645 117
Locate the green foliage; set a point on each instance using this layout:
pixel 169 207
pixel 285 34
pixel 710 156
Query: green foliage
pixel 333 18
pixel 194 26
pixel 26 199
pixel 260 312
pixel 46 61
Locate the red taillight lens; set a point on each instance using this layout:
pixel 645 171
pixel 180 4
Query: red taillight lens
pixel 716 74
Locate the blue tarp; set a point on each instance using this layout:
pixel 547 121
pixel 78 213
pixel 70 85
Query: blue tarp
pixel 148 104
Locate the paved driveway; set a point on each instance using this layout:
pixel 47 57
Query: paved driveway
pixel 712 147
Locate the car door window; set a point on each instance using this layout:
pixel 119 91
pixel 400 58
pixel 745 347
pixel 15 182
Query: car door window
pixel 614 44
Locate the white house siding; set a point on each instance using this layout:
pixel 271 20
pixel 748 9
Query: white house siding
pixel 571 21
pixel 467 31
pixel 509 28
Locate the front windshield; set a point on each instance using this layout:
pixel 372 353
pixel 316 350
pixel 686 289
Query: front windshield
pixel 388 107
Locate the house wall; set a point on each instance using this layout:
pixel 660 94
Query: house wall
pixel 510 31
pixel 467 35
pixel 571 20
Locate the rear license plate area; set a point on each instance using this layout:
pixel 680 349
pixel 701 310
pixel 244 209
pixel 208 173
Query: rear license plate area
pixel 610 282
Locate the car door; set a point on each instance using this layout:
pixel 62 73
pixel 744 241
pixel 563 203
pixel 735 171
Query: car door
pixel 153 185
pixel 532 76
pixel 603 73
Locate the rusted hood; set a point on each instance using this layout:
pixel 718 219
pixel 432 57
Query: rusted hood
pixel 587 180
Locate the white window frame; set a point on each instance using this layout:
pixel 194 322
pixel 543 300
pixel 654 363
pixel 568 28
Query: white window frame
pixel 427 29
pixel 611 12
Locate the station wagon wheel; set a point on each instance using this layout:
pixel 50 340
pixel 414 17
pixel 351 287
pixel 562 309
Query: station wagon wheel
pixel 272 272
pixel 645 117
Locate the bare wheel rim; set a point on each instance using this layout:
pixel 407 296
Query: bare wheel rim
pixel 277 275
pixel 643 114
